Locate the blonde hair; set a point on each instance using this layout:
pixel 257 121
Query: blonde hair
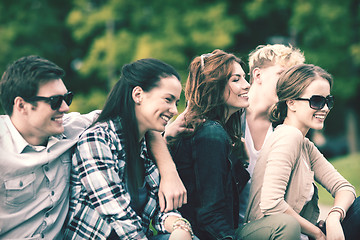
pixel 277 54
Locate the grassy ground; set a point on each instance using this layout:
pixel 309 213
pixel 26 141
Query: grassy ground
pixel 349 167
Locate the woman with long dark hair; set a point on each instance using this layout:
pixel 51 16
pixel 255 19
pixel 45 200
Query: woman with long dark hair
pixel 114 180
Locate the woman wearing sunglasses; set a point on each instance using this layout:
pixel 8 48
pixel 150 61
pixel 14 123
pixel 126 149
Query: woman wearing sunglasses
pixel 114 180
pixel 289 163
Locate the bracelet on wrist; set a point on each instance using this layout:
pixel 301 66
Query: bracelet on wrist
pixel 340 210
pixel 182 223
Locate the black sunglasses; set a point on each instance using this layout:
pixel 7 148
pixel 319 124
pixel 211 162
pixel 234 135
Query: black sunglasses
pixel 317 102
pixel 55 101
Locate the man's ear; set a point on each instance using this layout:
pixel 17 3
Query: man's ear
pixel 19 105
pixel 256 73
pixel 291 105
pixel 137 93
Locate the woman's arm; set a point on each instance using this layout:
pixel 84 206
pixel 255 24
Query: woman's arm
pixel 279 158
pixel 342 202
pixel 179 228
pixel 343 192
pixel 177 126
pixel 172 193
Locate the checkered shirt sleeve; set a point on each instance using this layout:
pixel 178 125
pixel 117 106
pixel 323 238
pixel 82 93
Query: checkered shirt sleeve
pixel 99 199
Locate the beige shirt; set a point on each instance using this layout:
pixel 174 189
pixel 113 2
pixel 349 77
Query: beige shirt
pixel 281 178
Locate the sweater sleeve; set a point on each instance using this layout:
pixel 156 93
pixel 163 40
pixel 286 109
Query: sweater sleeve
pixel 282 153
pixel 325 173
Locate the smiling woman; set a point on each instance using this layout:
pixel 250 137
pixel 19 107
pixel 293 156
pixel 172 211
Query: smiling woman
pixel 289 164
pixel 114 180
pixel 155 108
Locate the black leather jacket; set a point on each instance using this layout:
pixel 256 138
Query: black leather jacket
pixel 213 180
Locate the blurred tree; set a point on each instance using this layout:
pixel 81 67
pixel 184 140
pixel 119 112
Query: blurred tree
pixel 35 27
pixel 327 31
pixel 93 39
pixel 119 31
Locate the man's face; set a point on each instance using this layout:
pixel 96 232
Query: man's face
pixel 43 121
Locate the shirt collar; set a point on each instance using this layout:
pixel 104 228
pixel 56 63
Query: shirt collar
pixel 20 143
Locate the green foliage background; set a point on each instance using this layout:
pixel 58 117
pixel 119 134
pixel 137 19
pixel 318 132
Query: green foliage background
pixel 349 167
pixel 93 39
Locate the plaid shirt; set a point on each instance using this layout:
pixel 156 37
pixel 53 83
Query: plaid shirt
pixel 99 199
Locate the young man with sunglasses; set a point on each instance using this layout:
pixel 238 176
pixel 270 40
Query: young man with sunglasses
pixel 36 146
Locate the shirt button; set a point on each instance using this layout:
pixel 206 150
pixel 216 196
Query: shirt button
pixel 21 183
pixel 46 168
pixel 42 235
pixel 52 193
pixel 46 214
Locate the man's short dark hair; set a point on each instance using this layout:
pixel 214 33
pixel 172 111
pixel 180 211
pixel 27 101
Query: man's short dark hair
pixel 24 77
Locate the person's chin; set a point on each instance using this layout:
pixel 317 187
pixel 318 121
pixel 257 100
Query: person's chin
pixel 159 128
pixel 58 131
pixel 318 126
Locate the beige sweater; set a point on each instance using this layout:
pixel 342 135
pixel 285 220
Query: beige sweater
pixel 282 179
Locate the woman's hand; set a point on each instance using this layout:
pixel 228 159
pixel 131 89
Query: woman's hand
pixel 172 192
pixel 177 126
pixel 317 235
pixel 334 229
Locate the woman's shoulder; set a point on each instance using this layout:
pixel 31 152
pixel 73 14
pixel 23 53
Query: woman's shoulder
pixel 211 130
pixel 285 135
pixel 287 132
pixel 105 129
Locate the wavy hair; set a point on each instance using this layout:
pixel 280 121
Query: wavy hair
pixel 204 91
pixel 274 54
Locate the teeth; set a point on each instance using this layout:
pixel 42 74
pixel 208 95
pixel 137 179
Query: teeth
pixel 320 116
pixel 244 95
pixel 165 118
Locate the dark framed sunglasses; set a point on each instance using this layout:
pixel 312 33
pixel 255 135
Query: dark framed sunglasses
pixel 317 102
pixel 54 101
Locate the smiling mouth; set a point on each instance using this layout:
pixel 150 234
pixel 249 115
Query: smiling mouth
pixel 243 95
pixel 321 117
pixel 57 119
pixel 165 118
